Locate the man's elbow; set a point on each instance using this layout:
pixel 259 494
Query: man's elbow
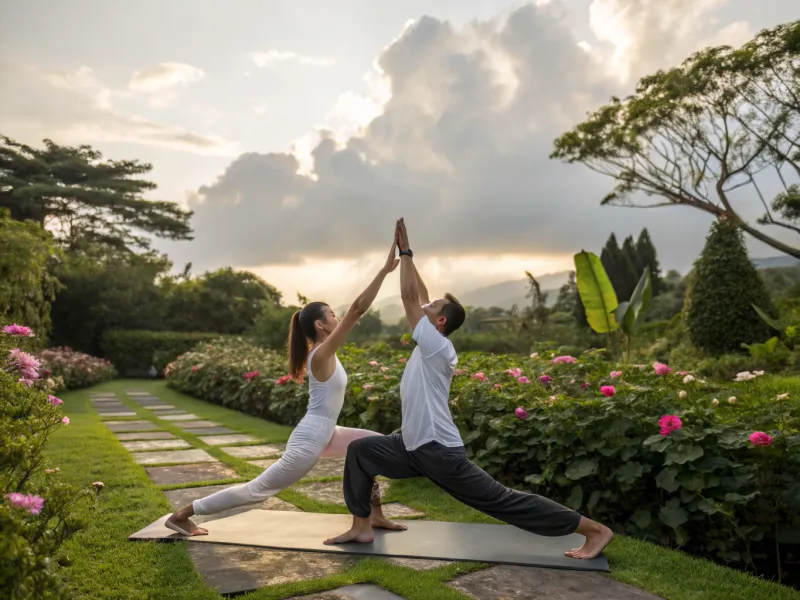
pixel 410 296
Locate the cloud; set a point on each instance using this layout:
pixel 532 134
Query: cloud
pixel 455 135
pixel 271 57
pixel 261 109
pixel 164 75
pixel 75 107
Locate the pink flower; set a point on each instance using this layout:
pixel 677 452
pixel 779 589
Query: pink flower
pixel 404 342
pixel 516 372
pixel 682 373
pixel 250 375
pixel 23 360
pixel 284 379
pixel 373 363
pixel 661 369
pixel 668 424
pixel 535 355
pixel 523 379
pixel 759 438
pixel 387 377
pixel 65 420
pixel 33 504
pixel 545 379
pixel 46 373
pixel 520 412
pixel 584 385
pixel 368 386
pixel 458 372
pixel 384 369
pixel 615 374
pixel 607 390
pixel 25 382
pixel 563 359
pixel 51 471
pixel 195 368
pixel 497 385
pixel 401 360
pixel 18 330
pixel 54 401
pixel 479 377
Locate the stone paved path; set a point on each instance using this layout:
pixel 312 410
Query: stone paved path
pixel 170 460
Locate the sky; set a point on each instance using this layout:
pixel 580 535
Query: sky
pixel 299 131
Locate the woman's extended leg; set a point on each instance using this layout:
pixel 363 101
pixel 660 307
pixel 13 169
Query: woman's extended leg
pixel 337 448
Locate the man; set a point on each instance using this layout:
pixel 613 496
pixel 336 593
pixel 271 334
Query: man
pixel 429 444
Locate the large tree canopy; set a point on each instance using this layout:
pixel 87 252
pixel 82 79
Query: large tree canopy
pixel 725 119
pixel 84 199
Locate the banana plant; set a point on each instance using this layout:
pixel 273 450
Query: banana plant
pixel 596 293
pixel 631 314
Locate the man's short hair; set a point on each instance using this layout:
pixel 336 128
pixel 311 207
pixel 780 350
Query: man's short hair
pixel 454 313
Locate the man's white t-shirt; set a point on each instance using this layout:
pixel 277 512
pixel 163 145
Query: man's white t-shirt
pixel 425 390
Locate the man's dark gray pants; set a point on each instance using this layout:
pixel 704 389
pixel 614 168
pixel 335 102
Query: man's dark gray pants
pixel 452 471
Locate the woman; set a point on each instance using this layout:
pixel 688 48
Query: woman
pixel 317 435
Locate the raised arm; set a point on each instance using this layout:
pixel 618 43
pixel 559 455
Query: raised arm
pixel 322 363
pixel 409 279
pixel 423 291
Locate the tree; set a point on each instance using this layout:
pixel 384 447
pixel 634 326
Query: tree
pixel 695 133
pixel 723 287
pixel 535 316
pixel 83 199
pixel 646 253
pixel 26 286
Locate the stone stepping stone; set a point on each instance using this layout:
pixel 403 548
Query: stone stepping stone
pixel 237 569
pixel 145 435
pixel 179 474
pixel 158 407
pixel 179 417
pixel 118 413
pixel 330 492
pixel 507 581
pixel 110 407
pixel 221 440
pixel 173 456
pixel 328 467
pixel 264 463
pixel 135 393
pixel 126 426
pixel 144 445
pixel 363 591
pixel 195 424
pixel 208 430
pixel 169 411
pixel 182 497
pixel 260 451
pixel 418 564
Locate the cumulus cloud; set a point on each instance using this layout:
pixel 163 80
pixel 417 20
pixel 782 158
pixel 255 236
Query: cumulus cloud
pixel 164 75
pixel 272 57
pixel 85 113
pixel 459 145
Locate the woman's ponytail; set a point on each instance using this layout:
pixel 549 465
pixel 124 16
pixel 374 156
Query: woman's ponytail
pixel 298 347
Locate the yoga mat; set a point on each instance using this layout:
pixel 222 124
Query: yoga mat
pixel 305 532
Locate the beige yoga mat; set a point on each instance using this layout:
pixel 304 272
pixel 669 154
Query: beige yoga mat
pixel 305 532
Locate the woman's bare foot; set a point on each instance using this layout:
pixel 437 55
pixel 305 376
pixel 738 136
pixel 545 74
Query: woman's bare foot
pixel 361 532
pixel 381 522
pixel 597 538
pixel 184 526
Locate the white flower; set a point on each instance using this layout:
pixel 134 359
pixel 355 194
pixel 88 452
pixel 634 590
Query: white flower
pixel 688 379
pixel 715 402
pixel 758 373
pixel 732 400
pixel 744 376
pixel 682 394
pixel 783 396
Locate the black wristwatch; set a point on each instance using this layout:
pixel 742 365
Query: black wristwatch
pixel 408 252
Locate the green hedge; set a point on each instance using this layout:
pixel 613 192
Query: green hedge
pixel 133 352
pixel 704 488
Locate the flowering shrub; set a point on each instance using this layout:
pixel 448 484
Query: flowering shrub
pixel 37 512
pixel 680 469
pixel 76 370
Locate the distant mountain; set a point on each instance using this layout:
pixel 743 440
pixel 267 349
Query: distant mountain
pixel 508 293
pixel 776 262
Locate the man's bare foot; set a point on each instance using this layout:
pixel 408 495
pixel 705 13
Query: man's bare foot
pixel 381 522
pixel 184 526
pixel 361 533
pixel 596 541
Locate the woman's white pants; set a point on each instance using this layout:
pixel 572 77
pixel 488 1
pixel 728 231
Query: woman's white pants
pixel 312 439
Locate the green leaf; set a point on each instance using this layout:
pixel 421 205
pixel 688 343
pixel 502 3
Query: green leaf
pixel 673 515
pixel 666 479
pixel 471 437
pixel 593 499
pixel 766 318
pixel 535 479
pixel 629 472
pixel 642 519
pixel 683 454
pixel 708 506
pixel 641 300
pixel 575 498
pixel 735 498
pixel 583 467
pixel 493 442
pixel 596 292
pixel 692 481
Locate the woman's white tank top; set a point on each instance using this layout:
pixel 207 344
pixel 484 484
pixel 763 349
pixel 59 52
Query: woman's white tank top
pixel 326 398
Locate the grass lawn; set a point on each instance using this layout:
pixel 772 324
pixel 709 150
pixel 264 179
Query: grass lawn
pixel 103 564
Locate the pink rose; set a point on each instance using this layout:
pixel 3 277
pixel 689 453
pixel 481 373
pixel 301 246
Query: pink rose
pixel 54 401
pixel 497 385
pixel 250 375
pixel 283 380
pixel 479 377
pixel 373 363
pixel 668 424
pixel 615 374
pixel 514 372
pixel 563 359
pixel 401 360
pixel 65 420
pixel 18 330
pixel 584 385
pixel 520 412
pixel 523 380
pixel 607 390
pixel 384 369
pixel 368 386
pixel 661 369
pixel 759 438
pixel 545 379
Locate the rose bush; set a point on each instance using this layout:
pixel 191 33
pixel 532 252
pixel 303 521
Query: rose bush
pixel 75 369
pixel 37 512
pixel 644 447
